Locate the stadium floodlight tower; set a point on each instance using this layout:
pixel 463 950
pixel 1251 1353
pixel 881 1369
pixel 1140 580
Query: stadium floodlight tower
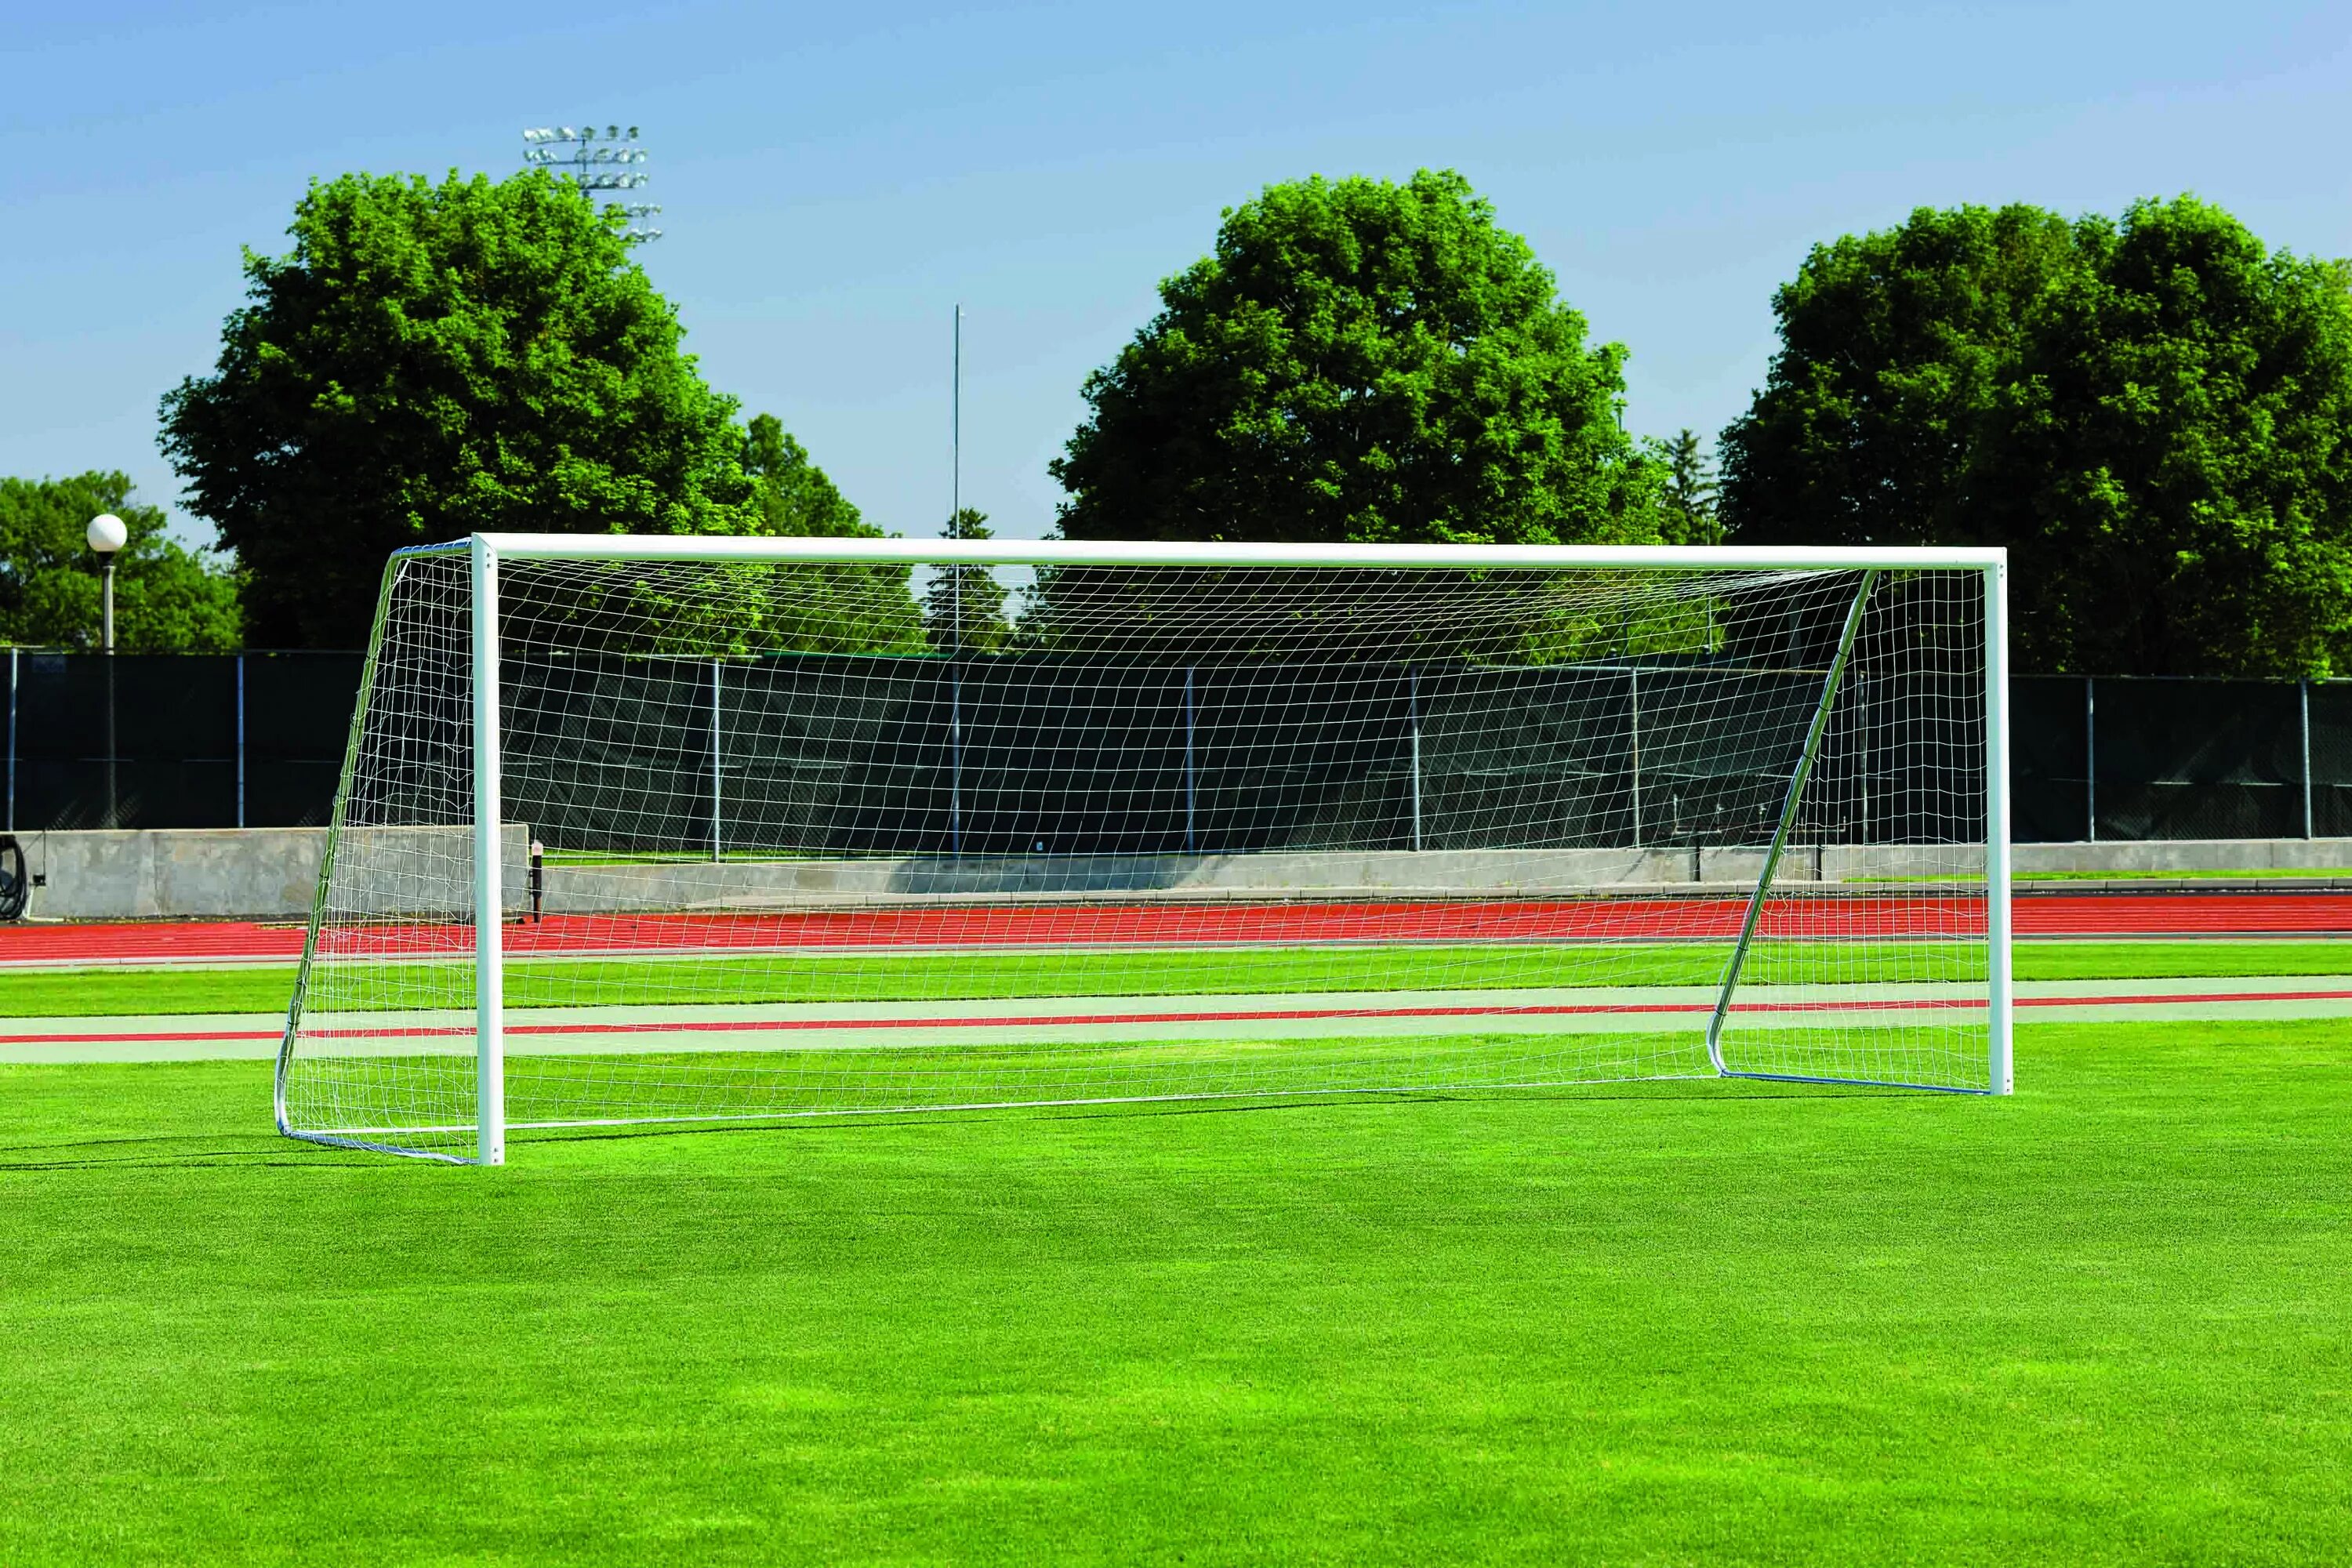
pixel 609 160
pixel 1306 821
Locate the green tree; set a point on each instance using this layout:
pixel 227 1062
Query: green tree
pixel 167 598
pixel 433 361
pixel 1893 346
pixel 2171 462
pixel 2153 415
pixel 965 608
pixel 1361 360
pixel 1688 510
pixel 833 608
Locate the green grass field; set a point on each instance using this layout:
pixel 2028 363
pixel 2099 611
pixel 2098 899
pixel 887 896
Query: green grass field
pixel 543 982
pixel 2107 1320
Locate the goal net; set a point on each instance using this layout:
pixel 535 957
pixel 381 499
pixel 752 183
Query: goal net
pixel 714 831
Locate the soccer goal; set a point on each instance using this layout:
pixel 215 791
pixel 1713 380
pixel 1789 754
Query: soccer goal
pixel 703 831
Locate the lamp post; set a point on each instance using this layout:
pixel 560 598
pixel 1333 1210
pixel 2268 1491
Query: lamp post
pixel 107 533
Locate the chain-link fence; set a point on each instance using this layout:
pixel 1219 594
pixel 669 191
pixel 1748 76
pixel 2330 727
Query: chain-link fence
pixel 200 740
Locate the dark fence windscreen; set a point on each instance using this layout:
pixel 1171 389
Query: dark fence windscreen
pixel 2134 758
pixel 176 741
pixel 987 760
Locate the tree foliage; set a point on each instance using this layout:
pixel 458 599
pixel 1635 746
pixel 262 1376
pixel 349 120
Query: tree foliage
pixel 2153 414
pixel 831 608
pixel 1689 509
pixel 433 361
pixel 1359 360
pixel 167 598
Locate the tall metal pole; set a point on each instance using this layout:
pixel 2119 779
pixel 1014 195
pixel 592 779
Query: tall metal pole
pixel 955 590
pixel 955 439
pixel 489 899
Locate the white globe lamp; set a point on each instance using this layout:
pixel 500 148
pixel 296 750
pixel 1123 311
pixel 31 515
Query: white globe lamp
pixel 108 534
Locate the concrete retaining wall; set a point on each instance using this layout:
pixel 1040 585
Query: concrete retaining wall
pixel 2156 855
pixel 269 873
pixel 252 873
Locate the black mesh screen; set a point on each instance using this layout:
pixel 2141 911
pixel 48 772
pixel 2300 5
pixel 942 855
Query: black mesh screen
pixel 970 755
pixel 2049 775
pixel 2199 758
pixel 298 717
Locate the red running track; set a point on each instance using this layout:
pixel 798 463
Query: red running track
pixel 1178 925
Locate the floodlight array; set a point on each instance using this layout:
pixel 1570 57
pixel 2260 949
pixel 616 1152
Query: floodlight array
pixel 596 159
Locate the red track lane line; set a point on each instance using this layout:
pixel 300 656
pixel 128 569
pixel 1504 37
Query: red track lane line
pixel 1237 1016
pixel 2190 914
pixel 190 1036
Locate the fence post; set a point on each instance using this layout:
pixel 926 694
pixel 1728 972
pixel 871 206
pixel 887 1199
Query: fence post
pixel 1633 693
pixel 12 740
pixel 240 740
pixel 1190 846
pixel 2091 757
pixel 718 800
pixel 1412 716
pixel 955 751
pixel 2303 699
pixel 113 806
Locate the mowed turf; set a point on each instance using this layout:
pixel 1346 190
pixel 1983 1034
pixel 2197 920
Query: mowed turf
pixel 114 992
pixel 2108 1319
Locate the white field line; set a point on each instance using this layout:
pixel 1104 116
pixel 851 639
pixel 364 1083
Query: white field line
pixel 873 1026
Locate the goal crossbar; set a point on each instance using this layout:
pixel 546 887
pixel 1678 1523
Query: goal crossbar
pixel 1115 553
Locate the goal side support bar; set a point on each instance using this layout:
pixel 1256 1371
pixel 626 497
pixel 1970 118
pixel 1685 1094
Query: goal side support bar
pixel 489 897
pixel 1789 806
pixel 2001 1067
pixel 335 826
pixel 2000 1078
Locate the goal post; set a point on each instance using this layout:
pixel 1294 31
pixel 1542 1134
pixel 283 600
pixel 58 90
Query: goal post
pixel 489 891
pixel 697 830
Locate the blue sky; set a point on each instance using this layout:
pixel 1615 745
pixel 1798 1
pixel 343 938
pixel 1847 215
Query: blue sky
pixel 836 178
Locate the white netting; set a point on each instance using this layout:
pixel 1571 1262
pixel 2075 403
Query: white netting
pixel 1166 832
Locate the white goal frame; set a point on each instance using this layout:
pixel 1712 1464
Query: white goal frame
pixel 487 552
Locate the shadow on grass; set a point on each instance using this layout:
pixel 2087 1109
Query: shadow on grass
pixel 270 1150
pixel 852 1122
pixel 178 1151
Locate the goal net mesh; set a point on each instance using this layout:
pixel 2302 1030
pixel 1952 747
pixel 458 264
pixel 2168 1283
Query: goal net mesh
pixel 782 841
